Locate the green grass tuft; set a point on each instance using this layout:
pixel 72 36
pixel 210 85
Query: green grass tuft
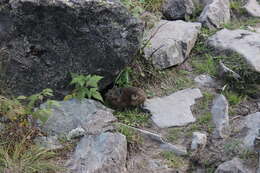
pixel 24 159
pixel 132 117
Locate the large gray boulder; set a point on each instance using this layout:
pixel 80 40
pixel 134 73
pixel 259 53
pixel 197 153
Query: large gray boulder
pixel 170 42
pixel 215 14
pixel 253 8
pixel 42 41
pixel 173 110
pixel 87 114
pixel 243 42
pixel 104 153
pixel 177 9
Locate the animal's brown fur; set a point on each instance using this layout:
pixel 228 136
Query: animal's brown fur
pixel 125 97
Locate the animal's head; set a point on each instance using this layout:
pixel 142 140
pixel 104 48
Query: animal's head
pixel 113 94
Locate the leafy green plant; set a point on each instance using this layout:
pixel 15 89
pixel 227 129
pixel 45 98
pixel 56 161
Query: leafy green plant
pixel 23 159
pixel 85 86
pixel 22 106
pixel 123 79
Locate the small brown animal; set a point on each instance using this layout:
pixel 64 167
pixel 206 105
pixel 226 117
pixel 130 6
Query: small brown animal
pixel 125 97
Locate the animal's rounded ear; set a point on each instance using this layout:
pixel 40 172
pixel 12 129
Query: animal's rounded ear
pixel 134 96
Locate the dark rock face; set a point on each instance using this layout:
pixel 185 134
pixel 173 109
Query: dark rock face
pixel 42 41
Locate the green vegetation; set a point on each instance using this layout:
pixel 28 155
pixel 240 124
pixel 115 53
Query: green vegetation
pixel 233 146
pixel 233 98
pixel 241 24
pixel 206 60
pixel 236 7
pixel 203 61
pixel 206 65
pixel 132 117
pixel 174 134
pixel 202 109
pixel 152 5
pixel 249 80
pixel 18 154
pixel 204 103
pixel 124 78
pixel 196 13
pixel 137 7
pixel 19 108
pixel 85 86
pixel 172 160
pixel 134 6
pixel 23 159
pixel 134 140
pixel 203 123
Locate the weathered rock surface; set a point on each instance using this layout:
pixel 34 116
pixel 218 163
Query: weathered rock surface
pixel 205 81
pixel 199 141
pixel 136 165
pixel 215 14
pixel 42 42
pixel 176 149
pixel 98 154
pixel 220 116
pixel 49 142
pixel 88 114
pixel 253 8
pixel 177 9
pixel 76 133
pixel 233 166
pixel 240 41
pixel 171 42
pixel 173 110
pixel 255 28
pixel 252 124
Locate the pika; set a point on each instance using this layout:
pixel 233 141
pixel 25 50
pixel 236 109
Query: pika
pixel 125 97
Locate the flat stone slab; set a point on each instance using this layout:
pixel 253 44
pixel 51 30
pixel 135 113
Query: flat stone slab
pixel 170 42
pixel 253 8
pixel 173 110
pixel 243 42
